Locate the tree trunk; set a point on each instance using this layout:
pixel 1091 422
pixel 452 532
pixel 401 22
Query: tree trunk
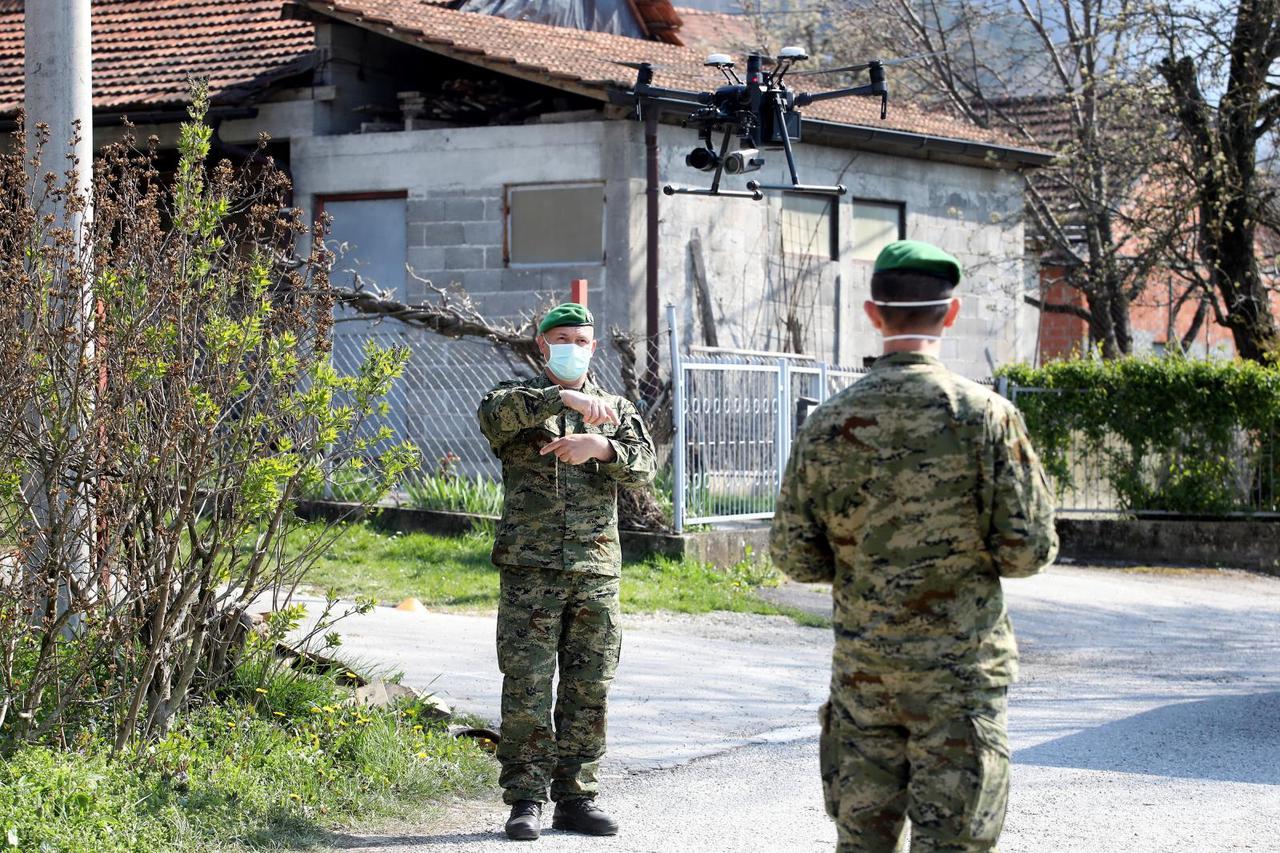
pixel 1223 146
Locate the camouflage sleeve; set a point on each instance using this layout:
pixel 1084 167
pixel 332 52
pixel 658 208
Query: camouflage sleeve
pixel 511 407
pixel 1022 538
pixel 798 540
pixel 636 461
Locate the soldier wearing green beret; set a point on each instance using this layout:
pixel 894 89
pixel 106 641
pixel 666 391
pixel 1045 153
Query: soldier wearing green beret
pixel 914 492
pixel 566 447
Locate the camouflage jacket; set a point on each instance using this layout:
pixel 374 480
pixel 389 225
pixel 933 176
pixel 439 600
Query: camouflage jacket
pixel 559 516
pixel 913 492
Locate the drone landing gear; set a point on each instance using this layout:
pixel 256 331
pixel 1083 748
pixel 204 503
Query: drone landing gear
pixel 811 189
pixel 796 187
pixel 754 194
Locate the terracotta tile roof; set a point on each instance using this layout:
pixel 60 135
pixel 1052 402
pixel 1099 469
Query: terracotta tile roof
pixel 588 61
pixel 716 32
pixel 144 51
pixel 1045 118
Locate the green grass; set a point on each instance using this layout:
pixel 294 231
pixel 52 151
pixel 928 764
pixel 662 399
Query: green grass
pixel 266 767
pixel 438 570
pixel 455 572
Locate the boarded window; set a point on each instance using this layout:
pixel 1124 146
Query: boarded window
pixel 809 226
pixel 555 224
pixel 372 227
pixel 876 224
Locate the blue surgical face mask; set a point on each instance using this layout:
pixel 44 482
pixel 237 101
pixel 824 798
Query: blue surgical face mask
pixel 569 362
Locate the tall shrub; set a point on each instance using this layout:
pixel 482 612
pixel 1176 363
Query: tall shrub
pixel 165 391
pixel 1174 434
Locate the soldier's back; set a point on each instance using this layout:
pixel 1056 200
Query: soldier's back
pixel 901 480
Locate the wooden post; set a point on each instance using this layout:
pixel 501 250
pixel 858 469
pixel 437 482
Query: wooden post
pixel 578 291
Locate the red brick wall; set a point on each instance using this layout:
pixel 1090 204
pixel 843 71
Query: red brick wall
pixel 1064 336
pixel 1061 336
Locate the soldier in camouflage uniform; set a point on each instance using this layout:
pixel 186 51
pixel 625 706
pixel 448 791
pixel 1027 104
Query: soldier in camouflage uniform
pixel 913 492
pixel 566 446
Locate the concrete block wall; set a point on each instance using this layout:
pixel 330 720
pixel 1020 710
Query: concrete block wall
pixel 455 185
pixel 456 181
pixel 973 212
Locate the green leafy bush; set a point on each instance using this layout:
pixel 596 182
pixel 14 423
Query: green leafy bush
pixel 478 495
pixel 1173 434
pixel 274 763
pixel 168 393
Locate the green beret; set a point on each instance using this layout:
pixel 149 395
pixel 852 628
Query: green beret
pixel 567 314
pixel 914 256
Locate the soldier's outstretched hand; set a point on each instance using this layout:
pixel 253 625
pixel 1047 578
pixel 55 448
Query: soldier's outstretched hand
pixel 594 411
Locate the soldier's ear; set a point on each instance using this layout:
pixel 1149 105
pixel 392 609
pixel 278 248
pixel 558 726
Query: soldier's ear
pixel 953 311
pixel 541 341
pixel 873 314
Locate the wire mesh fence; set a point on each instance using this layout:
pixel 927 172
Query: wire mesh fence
pixel 433 405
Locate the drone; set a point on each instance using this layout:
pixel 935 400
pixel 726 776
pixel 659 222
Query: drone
pixel 760 110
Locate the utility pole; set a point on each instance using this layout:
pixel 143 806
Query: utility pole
pixel 59 79
pixel 58 71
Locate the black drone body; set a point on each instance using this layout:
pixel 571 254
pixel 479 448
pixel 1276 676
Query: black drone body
pixel 760 111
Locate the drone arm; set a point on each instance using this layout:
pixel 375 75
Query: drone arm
pixel 805 98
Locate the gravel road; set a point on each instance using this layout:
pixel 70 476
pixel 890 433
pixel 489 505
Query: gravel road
pixel 1147 719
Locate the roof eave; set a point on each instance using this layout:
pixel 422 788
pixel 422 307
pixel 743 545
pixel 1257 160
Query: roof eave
pixel 924 146
pixel 868 138
pixel 899 142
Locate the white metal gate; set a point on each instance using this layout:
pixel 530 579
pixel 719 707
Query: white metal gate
pixel 735 416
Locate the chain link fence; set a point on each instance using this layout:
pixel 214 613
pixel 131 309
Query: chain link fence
pixel 433 405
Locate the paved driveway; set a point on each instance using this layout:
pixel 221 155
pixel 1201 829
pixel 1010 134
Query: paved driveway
pixel 1147 719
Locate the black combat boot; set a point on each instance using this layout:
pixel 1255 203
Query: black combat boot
pixel 583 815
pixel 525 823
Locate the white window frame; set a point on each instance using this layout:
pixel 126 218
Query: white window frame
pixel 874 202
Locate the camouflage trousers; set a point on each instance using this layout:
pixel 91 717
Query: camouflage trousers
pixel 939 759
pixel 548 618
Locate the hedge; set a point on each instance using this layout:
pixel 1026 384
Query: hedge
pixel 1173 434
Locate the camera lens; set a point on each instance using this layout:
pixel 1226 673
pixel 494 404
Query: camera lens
pixel 702 159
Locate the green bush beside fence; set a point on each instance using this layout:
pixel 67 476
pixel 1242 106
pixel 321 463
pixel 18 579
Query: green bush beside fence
pixel 1174 435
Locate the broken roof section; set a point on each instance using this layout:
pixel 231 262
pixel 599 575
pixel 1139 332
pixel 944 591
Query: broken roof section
pixel 145 52
pixel 717 32
pixel 588 63
pixel 601 16
pixel 639 19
